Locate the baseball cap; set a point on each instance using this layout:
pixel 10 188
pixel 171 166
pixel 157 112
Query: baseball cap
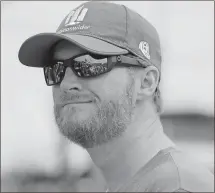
pixel 99 27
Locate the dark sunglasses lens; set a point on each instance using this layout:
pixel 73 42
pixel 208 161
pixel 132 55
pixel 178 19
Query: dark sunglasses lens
pixel 54 74
pixel 89 66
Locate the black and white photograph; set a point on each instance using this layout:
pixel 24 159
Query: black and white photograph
pixel 107 96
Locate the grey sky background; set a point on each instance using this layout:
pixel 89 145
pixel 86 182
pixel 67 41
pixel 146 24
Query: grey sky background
pixel 187 36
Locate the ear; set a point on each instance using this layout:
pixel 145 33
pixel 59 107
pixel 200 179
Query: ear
pixel 149 82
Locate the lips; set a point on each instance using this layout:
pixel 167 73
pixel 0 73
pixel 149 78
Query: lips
pixel 76 102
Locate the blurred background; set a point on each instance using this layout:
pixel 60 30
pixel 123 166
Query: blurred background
pixel 29 138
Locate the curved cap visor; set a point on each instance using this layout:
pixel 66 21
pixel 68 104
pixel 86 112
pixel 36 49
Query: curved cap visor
pixel 35 50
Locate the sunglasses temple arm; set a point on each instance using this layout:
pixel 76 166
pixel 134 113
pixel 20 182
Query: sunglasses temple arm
pixel 125 61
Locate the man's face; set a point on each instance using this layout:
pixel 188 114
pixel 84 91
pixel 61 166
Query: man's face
pixel 92 111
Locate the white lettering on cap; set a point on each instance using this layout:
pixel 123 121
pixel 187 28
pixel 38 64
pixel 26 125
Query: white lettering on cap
pixel 144 47
pixel 75 17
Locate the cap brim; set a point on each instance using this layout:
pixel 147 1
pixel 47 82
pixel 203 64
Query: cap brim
pixel 35 50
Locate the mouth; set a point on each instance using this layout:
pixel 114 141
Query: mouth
pixel 76 102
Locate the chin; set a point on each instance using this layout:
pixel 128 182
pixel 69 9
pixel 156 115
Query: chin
pixel 79 117
pixel 77 113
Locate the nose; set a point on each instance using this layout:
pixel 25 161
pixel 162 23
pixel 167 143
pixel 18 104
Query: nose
pixel 70 82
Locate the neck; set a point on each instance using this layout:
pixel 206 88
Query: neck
pixel 124 156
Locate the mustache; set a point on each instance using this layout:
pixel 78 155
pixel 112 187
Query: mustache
pixel 65 98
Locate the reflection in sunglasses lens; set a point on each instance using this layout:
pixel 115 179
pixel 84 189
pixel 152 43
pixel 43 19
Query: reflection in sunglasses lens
pixel 83 66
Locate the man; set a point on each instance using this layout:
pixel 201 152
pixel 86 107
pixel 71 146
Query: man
pixel 104 64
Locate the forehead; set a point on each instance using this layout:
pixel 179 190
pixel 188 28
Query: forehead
pixel 65 49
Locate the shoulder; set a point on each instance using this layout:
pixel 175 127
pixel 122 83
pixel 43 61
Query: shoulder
pixel 171 171
pixel 192 176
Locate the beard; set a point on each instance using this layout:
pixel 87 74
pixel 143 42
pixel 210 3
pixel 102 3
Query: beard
pixel 108 121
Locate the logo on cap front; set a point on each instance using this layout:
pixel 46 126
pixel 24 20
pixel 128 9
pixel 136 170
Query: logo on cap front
pixel 76 16
pixel 144 47
pixel 73 21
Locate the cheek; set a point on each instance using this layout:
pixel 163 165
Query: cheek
pixel 111 85
pixel 56 93
pixel 135 92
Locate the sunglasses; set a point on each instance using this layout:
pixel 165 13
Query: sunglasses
pixel 86 66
